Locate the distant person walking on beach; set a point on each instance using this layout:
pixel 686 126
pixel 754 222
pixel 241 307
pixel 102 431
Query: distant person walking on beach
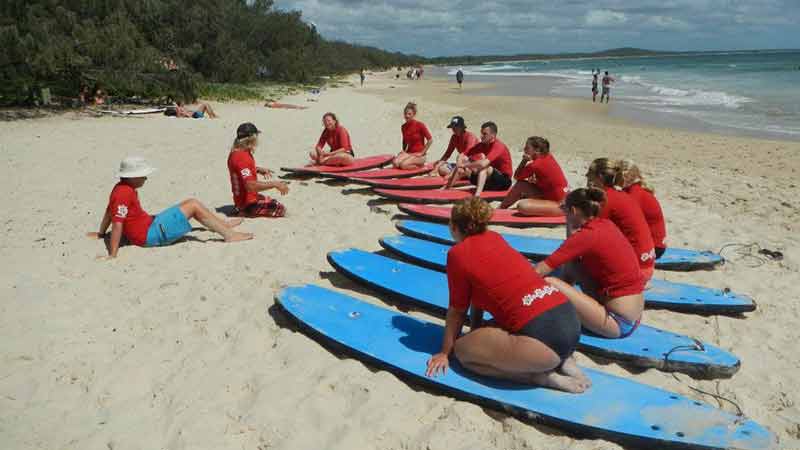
pixel 125 216
pixel 459 77
pixel 363 76
pixel 594 85
pixel 607 80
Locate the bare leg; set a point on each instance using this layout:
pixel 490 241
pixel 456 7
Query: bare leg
pixel 193 209
pixel 444 170
pixel 522 189
pixel 398 160
pixel 539 207
pixel 412 162
pixel 483 174
pixel 592 314
pixel 205 108
pixel 491 351
pixel 315 156
pixel 339 159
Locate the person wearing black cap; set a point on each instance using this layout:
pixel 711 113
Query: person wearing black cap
pixel 245 184
pixel 461 140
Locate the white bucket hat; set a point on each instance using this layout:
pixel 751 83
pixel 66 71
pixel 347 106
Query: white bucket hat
pixel 134 167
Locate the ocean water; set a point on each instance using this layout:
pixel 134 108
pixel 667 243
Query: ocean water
pixel 755 92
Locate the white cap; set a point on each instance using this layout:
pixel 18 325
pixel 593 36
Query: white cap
pixel 134 167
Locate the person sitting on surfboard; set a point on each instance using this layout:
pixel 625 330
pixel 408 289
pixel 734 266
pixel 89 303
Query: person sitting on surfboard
pixel 487 164
pixel 634 184
pixel 127 219
pixel 541 185
pixel 461 141
pixel 537 328
pixel 624 211
pixel 605 265
pixel 416 141
pixel 244 177
pixel 337 139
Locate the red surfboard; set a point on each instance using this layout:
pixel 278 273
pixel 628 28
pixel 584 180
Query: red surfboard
pixel 370 162
pixel 437 195
pixel 507 217
pixel 384 173
pixel 409 183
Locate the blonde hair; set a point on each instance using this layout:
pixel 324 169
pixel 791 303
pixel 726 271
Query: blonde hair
pixel 631 175
pixel 412 106
pixel 471 215
pixel 249 143
pixel 608 170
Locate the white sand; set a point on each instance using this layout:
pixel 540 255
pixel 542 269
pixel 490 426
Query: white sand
pixel 182 347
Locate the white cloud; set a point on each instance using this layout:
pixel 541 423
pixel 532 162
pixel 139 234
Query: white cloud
pixel 605 18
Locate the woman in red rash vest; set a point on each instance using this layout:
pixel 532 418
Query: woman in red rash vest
pixel 624 211
pixel 337 138
pixel 635 186
pixel 603 263
pixel 536 327
pixel 541 185
pixel 416 141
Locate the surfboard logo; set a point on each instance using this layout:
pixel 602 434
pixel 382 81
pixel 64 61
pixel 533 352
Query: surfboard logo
pixel 122 211
pixel 537 294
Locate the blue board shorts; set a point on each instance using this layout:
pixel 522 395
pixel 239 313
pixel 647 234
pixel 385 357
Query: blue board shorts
pixel 167 227
pixel 198 115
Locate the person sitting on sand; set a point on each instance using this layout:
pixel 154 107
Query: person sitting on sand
pixel 243 172
pixel 635 186
pixel 416 141
pixel 536 327
pixel 337 139
pixel 127 218
pixel 202 109
pixel 541 184
pixel 624 211
pixel 487 164
pixel 276 105
pixel 610 302
pixel 461 141
pixel 98 95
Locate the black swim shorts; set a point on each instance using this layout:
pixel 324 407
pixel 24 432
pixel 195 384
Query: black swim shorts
pixel 497 181
pixel 558 328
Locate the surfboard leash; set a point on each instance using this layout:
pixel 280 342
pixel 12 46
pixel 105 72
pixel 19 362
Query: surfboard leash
pixel 751 254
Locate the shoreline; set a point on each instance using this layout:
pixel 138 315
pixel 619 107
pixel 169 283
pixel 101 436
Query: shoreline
pixel 184 347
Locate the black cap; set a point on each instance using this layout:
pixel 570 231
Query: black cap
pixel 457 121
pixel 246 129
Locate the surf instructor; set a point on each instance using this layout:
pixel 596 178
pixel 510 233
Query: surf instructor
pixel 536 327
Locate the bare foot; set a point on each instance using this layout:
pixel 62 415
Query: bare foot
pixel 561 382
pixel 236 236
pixel 233 223
pixel 570 368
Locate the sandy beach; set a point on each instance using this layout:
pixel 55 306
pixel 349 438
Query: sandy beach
pixel 183 347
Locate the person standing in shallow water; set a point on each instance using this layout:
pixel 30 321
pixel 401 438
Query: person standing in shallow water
pixel 607 80
pixel 594 85
pixel 459 77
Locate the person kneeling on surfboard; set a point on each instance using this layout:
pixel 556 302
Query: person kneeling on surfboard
pixel 541 185
pixel 337 138
pixel 461 141
pixel 244 177
pixel 487 164
pixel 624 211
pixel 416 141
pixel 635 186
pixel 536 328
pixel 603 262
pixel 126 217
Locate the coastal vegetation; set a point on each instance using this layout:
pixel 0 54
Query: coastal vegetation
pixel 158 48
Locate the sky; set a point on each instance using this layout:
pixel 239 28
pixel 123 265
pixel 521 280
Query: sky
pixel 462 27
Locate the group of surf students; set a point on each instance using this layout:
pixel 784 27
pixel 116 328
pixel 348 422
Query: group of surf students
pixel 615 232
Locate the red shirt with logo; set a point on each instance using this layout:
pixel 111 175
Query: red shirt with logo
pixel 652 213
pixel 626 214
pixel 242 168
pixel 335 139
pixel 605 254
pixel 496 152
pixel 485 272
pixel 461 143
pixel 124 208
pixel 415 133
pixel 548 177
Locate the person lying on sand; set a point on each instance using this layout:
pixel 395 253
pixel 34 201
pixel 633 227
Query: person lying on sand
pixel 276 105
pixel 487 164
pixel 202 109
pixel 541 184
pixel 337 139
pixel 127 218
pixel 461 141
pixel 245 184
pixel 536 327
pixel 599 258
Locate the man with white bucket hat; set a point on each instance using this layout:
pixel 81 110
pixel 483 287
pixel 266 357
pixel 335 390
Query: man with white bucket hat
pixel 127 218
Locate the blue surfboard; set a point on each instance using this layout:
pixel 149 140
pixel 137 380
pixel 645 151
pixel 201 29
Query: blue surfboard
pixel 538 248
pixel 616 409
pixel 660 294
pixel 647 347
